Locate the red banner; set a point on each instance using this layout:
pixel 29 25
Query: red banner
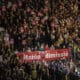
pixel 44 55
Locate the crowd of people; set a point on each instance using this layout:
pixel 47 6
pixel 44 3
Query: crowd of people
pixel 30 25
pixel 51 70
